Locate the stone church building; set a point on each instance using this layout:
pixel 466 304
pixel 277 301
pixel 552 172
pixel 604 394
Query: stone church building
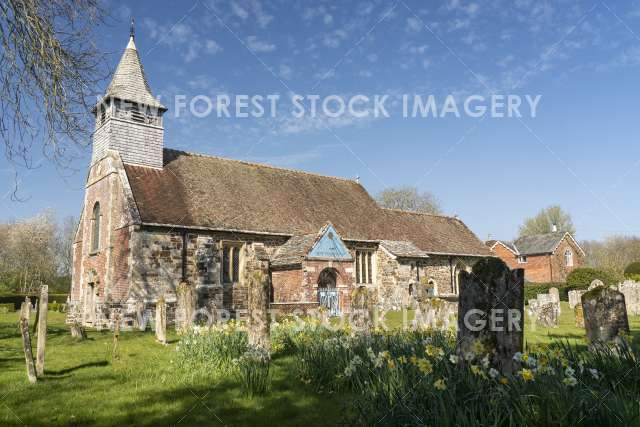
pixel 154 217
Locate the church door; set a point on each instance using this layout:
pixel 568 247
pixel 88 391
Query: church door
pixel 328 296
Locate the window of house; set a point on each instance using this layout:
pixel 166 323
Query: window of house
pixel 364 266
pixel 522 259
pixel 231 262
pixel 95 232
pixel 568 258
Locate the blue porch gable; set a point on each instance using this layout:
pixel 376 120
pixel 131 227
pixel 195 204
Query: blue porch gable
pixel 330 246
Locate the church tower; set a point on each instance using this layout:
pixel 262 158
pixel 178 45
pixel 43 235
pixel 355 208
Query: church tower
pixel 129 117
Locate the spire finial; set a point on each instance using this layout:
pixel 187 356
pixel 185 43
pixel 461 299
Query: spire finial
pixel 132 31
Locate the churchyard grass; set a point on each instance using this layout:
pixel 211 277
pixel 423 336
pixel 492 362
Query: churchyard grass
pixel 314 378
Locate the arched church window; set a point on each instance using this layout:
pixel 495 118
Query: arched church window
pixel 95 232
pixel 568 258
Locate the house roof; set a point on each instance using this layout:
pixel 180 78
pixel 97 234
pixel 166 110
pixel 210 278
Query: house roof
pixel 129 82
pixel 535 244
pixel 538 243
pixel 403 249
pixel 194 190
pixel 293 251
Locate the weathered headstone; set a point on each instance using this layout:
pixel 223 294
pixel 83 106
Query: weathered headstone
pixel 77 331
pixel 574 297
pixel 161 321
pixel 140 320
pixel 42 329
pixel 579 315
pixel 185 305
pixel 258 304
pixel 360 316
pixel 605 315
pixel 555 295
pixel 116 333
pixel 548 315
pixel 434 313
pixel 595 284
pixel 631 292
pixel 26 342
pixel 490 310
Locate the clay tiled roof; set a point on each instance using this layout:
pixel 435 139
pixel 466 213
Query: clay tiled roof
pixel 210 192
pixel 129 82
pixel 294 250
pixel 403 249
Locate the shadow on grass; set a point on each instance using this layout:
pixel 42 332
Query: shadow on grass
pixel 65 371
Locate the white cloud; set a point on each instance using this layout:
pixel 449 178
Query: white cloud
pixel 212 47
pixel 334 38
pixel 258 45
pixel 413 24
pixel 285 71
pixel 239 11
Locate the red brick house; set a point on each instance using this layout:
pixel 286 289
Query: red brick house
pixel 544 257
pixel 154 217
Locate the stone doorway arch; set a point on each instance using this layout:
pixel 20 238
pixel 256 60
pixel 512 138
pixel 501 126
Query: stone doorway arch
pixel 328 295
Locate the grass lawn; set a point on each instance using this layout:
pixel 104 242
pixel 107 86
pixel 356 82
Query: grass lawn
pixel 83 385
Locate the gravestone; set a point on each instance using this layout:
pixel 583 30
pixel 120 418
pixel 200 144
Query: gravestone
pixel 595 284
pixel 579 315
pixel 434 313
pixel 359 315
pixel 631 292
pixel 490 310
pixel 548 315
pixel 42 329
pixel 161 321
pixel 574 298
pixel 605 315
pixel 258 305
pixel 185 305
pixel 555 294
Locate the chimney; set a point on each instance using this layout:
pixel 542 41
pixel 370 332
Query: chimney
pixel 554 228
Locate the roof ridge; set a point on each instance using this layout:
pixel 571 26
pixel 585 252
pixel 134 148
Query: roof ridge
pixel 421 213
pixel 246 162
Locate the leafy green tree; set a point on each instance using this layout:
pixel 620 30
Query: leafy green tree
pixel 544 221
pixel 409 199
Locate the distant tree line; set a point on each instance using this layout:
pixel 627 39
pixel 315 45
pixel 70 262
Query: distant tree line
pixel 36 251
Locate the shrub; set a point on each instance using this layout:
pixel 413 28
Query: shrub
pixel 582 277
pixel 252 371
pixel 632 270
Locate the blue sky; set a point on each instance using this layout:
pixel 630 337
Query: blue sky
pixel 582 57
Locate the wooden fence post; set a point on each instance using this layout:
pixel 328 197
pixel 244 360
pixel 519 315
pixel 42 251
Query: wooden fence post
pixel 42 328
pixel 26 343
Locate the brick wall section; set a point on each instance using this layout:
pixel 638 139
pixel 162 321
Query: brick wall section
pixel 507 256
pixel 559 271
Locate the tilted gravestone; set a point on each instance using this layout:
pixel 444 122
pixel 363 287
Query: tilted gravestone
pixel 161 321
pixel 490 310
pixel 605 315
pixel 631 292
pixel 574 297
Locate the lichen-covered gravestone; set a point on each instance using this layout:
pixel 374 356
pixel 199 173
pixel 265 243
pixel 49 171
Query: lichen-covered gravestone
pixel 605 315
pixel 258 304
pixel 548 315
pixel 490 310
pixel 360 315
pixel 185 305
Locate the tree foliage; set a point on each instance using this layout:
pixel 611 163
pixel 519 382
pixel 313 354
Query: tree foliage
pixel 36 251
pixel 613 253
pixel 545 219
pixel 409 199
pixel 49 69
